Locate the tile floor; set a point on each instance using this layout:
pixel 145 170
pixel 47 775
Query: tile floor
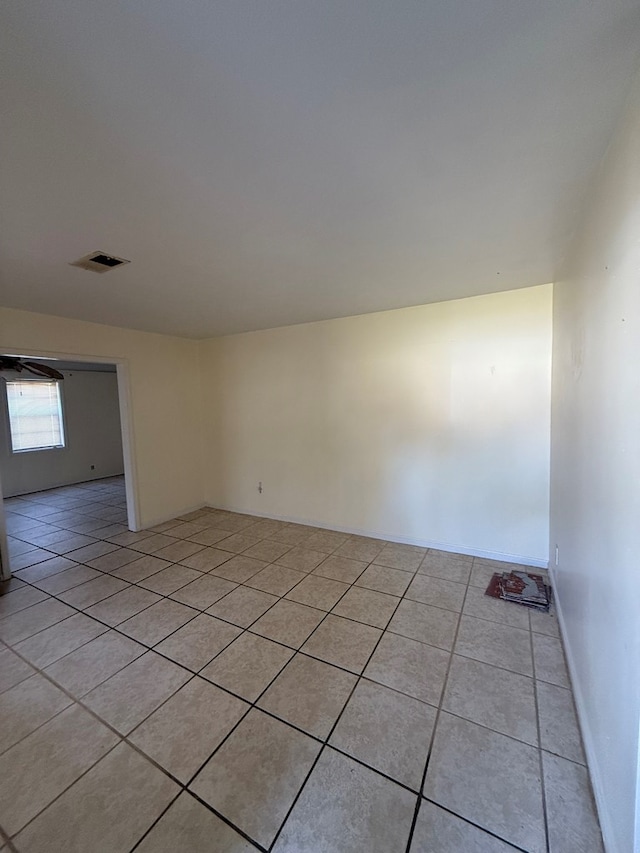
pixel 228 683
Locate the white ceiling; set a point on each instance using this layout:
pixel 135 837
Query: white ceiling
pixel 267 163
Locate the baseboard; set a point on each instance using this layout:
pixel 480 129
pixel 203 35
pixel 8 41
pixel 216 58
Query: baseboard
pixel 538 562
pixel 587 739
pixel 161 520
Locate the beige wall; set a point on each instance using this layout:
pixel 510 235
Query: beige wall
pixel 427 425
pixel 163 400
pixel 595 494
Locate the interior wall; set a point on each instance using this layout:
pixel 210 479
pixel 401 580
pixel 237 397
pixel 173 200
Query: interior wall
pixel 91 416
pixel 427 425
pixel 163 406
pixel 595 472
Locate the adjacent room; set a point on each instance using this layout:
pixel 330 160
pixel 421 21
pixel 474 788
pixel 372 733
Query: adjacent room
pixel 315 319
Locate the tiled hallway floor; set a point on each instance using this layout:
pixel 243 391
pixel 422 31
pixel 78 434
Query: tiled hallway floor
pixel 226 683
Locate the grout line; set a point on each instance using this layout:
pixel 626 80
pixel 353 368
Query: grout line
pixel 436 721
pixel 539 734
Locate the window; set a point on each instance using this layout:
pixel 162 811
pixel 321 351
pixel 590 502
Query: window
pixel 35 415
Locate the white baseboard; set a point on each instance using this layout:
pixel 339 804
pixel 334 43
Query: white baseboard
pixel 587 738
pixel 523 560
pixel 145 525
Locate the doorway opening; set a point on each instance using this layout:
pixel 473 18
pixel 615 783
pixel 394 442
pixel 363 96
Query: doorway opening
pixel 66 472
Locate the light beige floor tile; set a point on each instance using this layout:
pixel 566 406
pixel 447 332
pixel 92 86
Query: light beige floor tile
pixel 203 592
pixel 86 667
pixel 340 569
pixel 573 823
pixel 325 541
pixel 343 642
pixel 361 548
pixel 62 581
pixel 292 534
pixel 122 796
pixel 26 706
pixel 248 665
pixel 198 642
pixel 123 605
pixel 183 732
pixel 89 593
pixel 157 622
pixel 438 831
pixel 456 571
pixel 90 552
pixel 40 767
pixel 44 569
pixel 179 550
pixel 242 606
pixel 170 579
pixel 36 618
pixel 549 660
pixel 385 579
pixel 130 537
pixel 499 645
pixel 209 536
pixel 255 775
pixel 239 542
pixel 501 700
pixel 367 606
pixel 239 569
pixel 301 559
pixel 545 623
pixel 559 732
pixel 206 559
pixel 350 808
pixel 113 560
pixel 276 579
pixel 500 789
pixel 485 607
pixel 265 527
pixel 483 571
pixel 187 529
pixel 289 623
pixel 406 557
pixel 125 699
pixel 13 670
pixel 309 694
pixel 28 559
pixel 57 641
pixel 427 624
pixel 436 591
pixel 154 543
pixel 388 731
pixel 141 568
pixel 190 826
pixel 267 550
pixel 317 591
pixel 410 667
pixel 20 599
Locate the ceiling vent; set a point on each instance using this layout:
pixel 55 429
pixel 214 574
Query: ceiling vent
pixel 99 262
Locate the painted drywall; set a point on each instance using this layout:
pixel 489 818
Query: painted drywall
pixel 595 473
pixel 93 437
pixel 159 400
pixel 426 425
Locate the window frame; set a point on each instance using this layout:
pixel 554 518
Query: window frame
pixel 61 408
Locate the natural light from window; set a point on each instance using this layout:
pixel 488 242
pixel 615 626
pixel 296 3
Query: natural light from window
pixel 35 415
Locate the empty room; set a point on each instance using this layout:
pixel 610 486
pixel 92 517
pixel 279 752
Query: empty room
pixel 320 405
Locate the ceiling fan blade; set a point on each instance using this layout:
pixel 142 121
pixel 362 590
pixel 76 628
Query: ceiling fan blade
pixel 42 370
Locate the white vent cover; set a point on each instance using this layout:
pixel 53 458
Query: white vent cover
pixel 99 262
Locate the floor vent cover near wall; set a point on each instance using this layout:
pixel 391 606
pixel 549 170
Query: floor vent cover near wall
pixel 99 262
